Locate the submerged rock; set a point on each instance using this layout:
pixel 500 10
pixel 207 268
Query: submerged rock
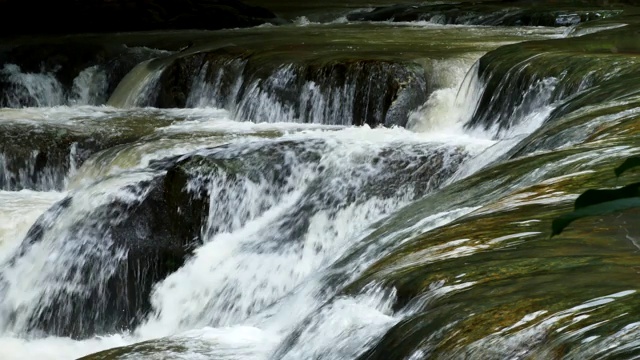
pixel 494 284
pixel 173 346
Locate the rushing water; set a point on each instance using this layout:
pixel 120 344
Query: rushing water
pixel 302 236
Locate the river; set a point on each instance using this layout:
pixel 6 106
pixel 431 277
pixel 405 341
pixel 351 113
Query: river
pixel 323 190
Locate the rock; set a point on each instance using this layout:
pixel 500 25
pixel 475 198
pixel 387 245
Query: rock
pixel 550 71
pixel 75 16
pixel 456 284
pixel 114 253
pixel 143 349
pixel 342 91
pixel 58 64
pixel 176 81
pixel 332 91
pixel 494 13
pixel 110 255
pixel 41 155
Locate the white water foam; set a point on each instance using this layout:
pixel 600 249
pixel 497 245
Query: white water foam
pixel 455 101
pixel 89 87
pixel 247 300
pixel 19 210
pixel 39 89
pixel 250 280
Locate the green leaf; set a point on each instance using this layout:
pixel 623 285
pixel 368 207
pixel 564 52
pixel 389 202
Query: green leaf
pixel 630 163
pixel 596 196
pixel 560 223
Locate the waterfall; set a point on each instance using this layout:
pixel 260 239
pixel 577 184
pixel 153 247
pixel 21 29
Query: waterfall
pixel 343 190
pixel 362 92
pixel 288 222
pixel 45 90
pixel 217 86
pixel 31 89
pixel 89 87
pixel 138 87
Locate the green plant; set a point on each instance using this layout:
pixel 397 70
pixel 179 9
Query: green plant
pixel 596 202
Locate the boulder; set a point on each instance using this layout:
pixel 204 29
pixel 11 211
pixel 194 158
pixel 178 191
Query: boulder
pixel 111 256
pixel 118 237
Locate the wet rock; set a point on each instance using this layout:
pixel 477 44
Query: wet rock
pixel 111 254
pixel 333 91
pixel 521 279
pixel 41 155
pixel 142 349
pixel 349 92
pixel 494 13
pixel 520 79
pixel 494 283
pixel 45 73
pixel 37 158
pixel 600 112
pixel 115 253
pixel 175 83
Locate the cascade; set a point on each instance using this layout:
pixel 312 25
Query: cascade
pixel 340 93
pixel 137 88
pixel 30 89
pixel 378 187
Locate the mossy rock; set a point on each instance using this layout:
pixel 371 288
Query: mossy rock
pixel 467 285
pixel 569 66
pixel 170 347
pixel 39 155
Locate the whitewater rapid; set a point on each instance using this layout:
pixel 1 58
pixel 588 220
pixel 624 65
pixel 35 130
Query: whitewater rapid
pixel 242 295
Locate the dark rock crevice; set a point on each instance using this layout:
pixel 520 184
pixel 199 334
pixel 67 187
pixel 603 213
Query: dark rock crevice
pixel 101 16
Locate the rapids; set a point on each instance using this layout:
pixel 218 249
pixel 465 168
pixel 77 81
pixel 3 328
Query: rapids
pixel 323 189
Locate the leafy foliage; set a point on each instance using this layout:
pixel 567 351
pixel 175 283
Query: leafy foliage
pixel 630 163
pixel 603 208
pixel 597 196
pixel 597 202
